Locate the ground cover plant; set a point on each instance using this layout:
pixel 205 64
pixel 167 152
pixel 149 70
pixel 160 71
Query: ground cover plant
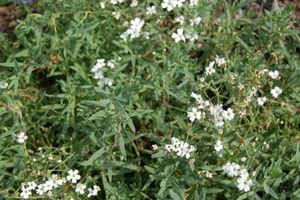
pixel 154 99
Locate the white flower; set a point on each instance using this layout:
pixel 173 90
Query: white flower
pixel 3 85
pixel 244 184
pixel 195 21
pixel 25 193
pixel 208 174
pixel 114 2
pixel 21 137
pixel 181 148
pixel 134 30
pixel 276 92
pixel 274 74
pixel 220 61
pixel 116 15
pixel 261 101
pixel 31 185
pixel 168 4
pixel 218 146
pixel 243 159
pixel 111 64
pixel 232 169
pixel 193 3
pixel 151 10
pixel 195 114
pixel 73 175
pixel 178 36
pixel 56 182
pixel 40 190
pixel 192 37
pixel 80 188
pixel 228 114
pixel 102 4
pixel 210 69
pixel 94 191
pixel 180 19
pixel 197 97
pixel 134 3
pixel 155 147
pixel 179 3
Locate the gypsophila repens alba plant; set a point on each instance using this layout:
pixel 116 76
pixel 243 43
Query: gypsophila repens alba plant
pixel 158 99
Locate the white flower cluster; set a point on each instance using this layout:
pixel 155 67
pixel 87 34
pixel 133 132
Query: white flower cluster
pixel 135 29
pixel 219 61
pixel 182 149
pixel 98 73
pixel 179 35
pixel 54 182
pixel 276 91
pixel 244 182
pixel 219 115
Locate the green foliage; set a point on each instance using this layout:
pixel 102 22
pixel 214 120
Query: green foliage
pixel 107 133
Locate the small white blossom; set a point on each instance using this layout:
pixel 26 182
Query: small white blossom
pixel 168 4
pixel 73 176
pixel 276 92
pixel 261 101
pixel 135 28
pixel 155 147
pixel 195 21
pixel 274 75
pixel 178 36
pixel 218 146
pixel 22 137
pixel 80 188
pixel 94 191
pixel 40 190
pixel 220 61
pixel 151 10
pixel 102 4
pixel 25 193
pixel 210 69
pixel 191 36
pixel 3 85
pixel 193 3
pixel 31 185
pixel 134 3
pixel 180 19
pixel 116 15
pixel 208 174
pixel 244 184
pixel 195 114
pixel 228 114
pixel 111 64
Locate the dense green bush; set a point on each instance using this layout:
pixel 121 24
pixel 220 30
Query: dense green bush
pixel 199 101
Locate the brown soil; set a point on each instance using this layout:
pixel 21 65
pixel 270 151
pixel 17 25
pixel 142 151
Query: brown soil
pixel 7 17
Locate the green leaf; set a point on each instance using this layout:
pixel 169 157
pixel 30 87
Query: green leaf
pixel 22 54
pixel 122 146
pixel 10 64
pixel 94 157
pixel 270 191
pixel 174 195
